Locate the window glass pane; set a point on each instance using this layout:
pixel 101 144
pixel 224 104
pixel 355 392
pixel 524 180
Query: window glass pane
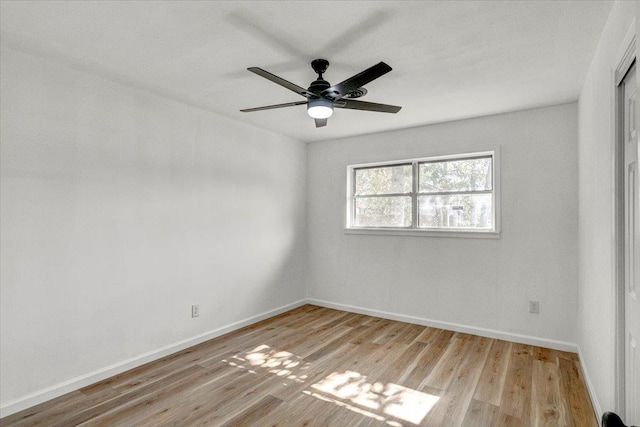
pixel 472 211
pixel 383 180
pixel 456 175
pixel 383 211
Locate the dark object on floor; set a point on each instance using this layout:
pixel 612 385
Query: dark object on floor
pixel 609 419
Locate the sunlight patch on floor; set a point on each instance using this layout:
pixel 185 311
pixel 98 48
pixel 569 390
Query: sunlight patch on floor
pixel 390 399
pixel 347 389
pixel 280 363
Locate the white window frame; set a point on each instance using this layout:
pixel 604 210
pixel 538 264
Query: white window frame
pixel 350 228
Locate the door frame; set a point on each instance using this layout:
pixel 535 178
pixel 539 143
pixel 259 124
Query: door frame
pixel 625 59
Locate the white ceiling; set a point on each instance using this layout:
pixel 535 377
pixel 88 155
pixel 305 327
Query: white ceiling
pixel 451 59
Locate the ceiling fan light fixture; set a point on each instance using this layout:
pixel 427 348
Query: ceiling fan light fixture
pixel 321 97
pixel 320 108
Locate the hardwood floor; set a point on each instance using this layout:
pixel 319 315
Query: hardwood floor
pixel 315 366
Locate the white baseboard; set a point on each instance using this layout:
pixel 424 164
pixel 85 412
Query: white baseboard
pixel 76 383
pixel 489 333
pixel 592 391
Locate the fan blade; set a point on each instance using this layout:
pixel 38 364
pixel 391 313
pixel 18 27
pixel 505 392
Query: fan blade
pixel 336 92
pixel 271 107
pixel 321 122
pixel 367 106
pixel 280 81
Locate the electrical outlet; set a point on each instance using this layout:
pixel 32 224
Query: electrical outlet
pixel 534 306
pixel 195 310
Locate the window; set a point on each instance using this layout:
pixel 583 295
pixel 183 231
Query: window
pixel 438 194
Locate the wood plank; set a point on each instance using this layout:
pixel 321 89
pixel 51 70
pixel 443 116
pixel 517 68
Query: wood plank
pixel 136 408
pixel 336 343
pixel 409 334
pixel 380 360
pixel 343 358
pixel 303 346
pixel 47 412
pixel 452 408
pixel 579 408
pixel 255 413
pixel 427 335
pixel 391 333
pixel 373 331
pixel 516 396
pixel 567 355
pixel 481 414
pixel 382 328
pixel 232 401
pixel 189 373
pixel 428 360
pixel 547 409
pixel 403 365
pixel 329 315
pixel 357 320
pixel 544 355
pixel 343 320
pixel 491 383
pixel 310 411
pixel 443 372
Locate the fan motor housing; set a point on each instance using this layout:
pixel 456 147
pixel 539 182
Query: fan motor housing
pixel 318 86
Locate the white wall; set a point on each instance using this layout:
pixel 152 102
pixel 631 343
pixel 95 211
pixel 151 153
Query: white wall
pixel 480 283
pixel 120 209
pixel 596 286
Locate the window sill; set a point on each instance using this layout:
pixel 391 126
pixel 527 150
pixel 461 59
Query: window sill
pixel 425 233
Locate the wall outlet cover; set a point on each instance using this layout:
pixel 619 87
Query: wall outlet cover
pixel 534 306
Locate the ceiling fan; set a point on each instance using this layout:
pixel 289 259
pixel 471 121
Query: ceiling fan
pixel 322 98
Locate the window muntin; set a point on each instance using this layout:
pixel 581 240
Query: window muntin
pixel 449 193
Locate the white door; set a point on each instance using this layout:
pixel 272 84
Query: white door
pixel 632 250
